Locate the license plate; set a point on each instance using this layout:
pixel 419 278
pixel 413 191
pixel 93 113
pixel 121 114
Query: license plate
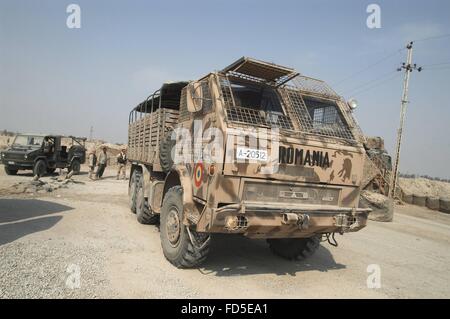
pixel 294 195
pixel 243 153
pixel 11 163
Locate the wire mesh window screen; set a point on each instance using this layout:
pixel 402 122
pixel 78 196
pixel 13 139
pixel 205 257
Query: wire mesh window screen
pixel 206 98
pixel 295 103
pixel 253 104
pixel 184 113
pixel 311 85
pixel 225 88
pixel 320 115
pixel 327 119
pixel 325 115
pixel 245 115
pixel 321 118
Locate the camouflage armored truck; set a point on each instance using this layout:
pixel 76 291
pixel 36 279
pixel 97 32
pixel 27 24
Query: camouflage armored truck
pixel 254 149
pixel 43 154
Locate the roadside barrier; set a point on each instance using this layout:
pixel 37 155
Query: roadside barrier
pixel 407 198
pixel 419 200
pixel 433 202
pixel 444 205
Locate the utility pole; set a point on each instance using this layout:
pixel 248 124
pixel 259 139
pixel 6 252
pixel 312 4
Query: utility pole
pixel 91 133
pixel 408 67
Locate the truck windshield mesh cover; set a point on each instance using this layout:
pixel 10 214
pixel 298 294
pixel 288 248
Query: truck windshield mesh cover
pixel 264 105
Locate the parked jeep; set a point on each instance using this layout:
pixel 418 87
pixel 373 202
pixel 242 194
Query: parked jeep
pixel 43 154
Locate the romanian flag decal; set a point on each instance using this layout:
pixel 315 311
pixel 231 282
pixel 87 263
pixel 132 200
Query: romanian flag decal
pixel 198 174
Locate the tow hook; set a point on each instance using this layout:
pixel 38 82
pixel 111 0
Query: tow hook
pixel 329 237
pixel 301 220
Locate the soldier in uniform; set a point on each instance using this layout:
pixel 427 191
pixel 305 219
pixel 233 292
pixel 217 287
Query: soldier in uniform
pixel 102 162
pixel 122 163
pixel 48 145
pixel 92 161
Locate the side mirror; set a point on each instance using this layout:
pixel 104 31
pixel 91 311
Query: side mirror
pixel 194 96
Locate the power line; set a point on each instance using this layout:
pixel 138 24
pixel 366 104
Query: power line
pixel 368 67
pixel 436 68
pixel 434 37
pixel 337 83
pixel 396 75
pixel 436 64
pixel 369 82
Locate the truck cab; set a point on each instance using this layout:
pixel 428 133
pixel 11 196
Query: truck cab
pixel 254 149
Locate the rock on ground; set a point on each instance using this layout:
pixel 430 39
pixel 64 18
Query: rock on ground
pixel 382 206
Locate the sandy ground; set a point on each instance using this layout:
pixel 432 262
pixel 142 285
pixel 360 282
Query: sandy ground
pixel 47 239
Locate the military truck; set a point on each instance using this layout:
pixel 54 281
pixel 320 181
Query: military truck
pixel 43 154
pixel 255 149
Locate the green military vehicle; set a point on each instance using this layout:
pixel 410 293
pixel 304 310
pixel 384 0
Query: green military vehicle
pixel 255 149
pixel 43 154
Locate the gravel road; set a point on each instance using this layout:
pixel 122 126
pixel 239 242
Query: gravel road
pixel 83 242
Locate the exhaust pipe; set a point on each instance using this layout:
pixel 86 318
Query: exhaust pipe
pixel 301 220
pixel 289 218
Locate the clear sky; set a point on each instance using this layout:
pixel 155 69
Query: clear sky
pixel 61 80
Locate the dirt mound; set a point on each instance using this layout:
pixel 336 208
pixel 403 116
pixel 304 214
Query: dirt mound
pixel 112 149
pixel 4 141
pixel 426 193
pixel 39 186
pixel 423 187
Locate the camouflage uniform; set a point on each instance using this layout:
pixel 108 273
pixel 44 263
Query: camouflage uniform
pixel 92 159
pixel 48 146
pixel 121 164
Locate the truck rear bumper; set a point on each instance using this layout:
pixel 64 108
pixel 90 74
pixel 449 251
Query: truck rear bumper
pixel 269 220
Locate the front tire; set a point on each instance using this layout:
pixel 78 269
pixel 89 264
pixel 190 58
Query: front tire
pixel 10 171
pixel 175 241
pixel 294 248
pixel 40 168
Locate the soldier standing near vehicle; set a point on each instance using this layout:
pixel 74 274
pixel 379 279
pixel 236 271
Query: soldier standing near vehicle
pixel 122 164
pixel 102 162
pixel 48 145
pixel 92 161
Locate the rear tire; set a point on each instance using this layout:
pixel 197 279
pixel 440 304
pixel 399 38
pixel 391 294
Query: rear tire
pixel 132 190
pixel 40 168
pixel 143 212
pixel 175 241
pixel 10 171
pixel 75 167
pixel 295 248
